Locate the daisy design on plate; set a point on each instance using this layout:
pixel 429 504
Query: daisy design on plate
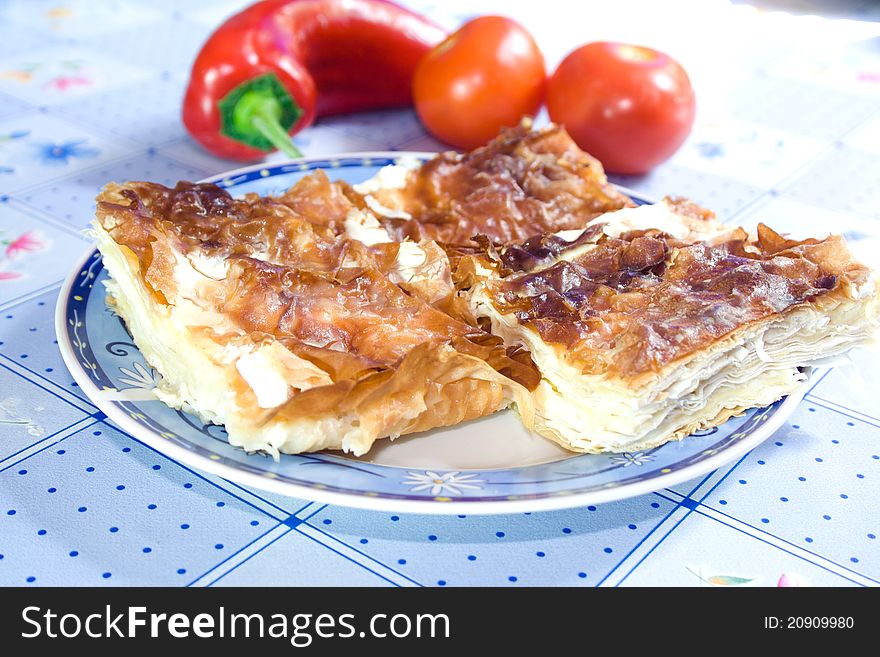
pixel 451 483
pixel 138 376
pixel 627 459
pixel 141 381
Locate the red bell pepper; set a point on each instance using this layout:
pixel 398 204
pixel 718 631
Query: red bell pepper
pixel 267 72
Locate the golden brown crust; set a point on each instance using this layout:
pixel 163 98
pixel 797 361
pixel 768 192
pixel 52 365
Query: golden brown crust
pixel 520 184
pixel 394 361
pixel 320 201
pixel 434 385
pixel 634 304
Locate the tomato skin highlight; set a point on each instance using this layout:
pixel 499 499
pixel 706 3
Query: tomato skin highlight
pixel 630 107
pixel 486 76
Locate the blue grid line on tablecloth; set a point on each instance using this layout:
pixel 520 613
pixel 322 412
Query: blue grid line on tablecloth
pixel 660 540
pixel 782 544
pixel 807 166
pixel 29 451
pixel 236 553
pixel 761 535
pixel 847 412
pixel 287 521
pixel 195 472
pixel 15 363
pixel 242 562
pixel 721 477
pixel 320 507
pixel 256 493
pixel 91 420
pixel 754 531
pixel 644 540
pixel 69 432
pixel 327 540
pixel 650 533
pixel 47 218
pixel 796 550
pixel 32 294
pixel 13 368
pixel 367 564
pixel 819 380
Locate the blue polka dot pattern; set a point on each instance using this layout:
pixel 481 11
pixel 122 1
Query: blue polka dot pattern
pixel 815 505
pixel 528 547
pixel 111 529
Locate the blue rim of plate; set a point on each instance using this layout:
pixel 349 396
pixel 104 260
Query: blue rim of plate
pixel 99 364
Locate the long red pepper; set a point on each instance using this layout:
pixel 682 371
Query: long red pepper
pixel 267 72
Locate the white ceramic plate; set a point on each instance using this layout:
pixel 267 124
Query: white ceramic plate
pixel 491 465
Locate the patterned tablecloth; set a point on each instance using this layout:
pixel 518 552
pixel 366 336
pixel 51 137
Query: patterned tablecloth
pixel 788 132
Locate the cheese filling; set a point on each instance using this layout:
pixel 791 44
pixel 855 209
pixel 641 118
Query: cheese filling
pixel 753 366
pixel 226 379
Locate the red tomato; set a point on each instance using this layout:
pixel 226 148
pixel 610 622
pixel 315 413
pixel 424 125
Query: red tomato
pixel 487 75
pixel 630 107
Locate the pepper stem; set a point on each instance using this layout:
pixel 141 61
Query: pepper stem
pixel 259 113
pixel 269 126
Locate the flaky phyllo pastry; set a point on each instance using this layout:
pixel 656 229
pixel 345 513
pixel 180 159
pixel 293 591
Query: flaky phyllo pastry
pixel 294 338
pixel 515 275
pixel 658 321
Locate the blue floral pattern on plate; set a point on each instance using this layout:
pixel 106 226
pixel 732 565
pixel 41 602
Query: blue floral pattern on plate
pixel 113 373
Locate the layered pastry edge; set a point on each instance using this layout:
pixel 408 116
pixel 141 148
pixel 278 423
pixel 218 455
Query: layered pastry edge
pixel 273 401
pixel 750 367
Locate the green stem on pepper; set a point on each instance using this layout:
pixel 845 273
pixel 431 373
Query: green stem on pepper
pixel 259 113
pixel 269 126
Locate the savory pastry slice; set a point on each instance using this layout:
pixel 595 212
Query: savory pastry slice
pixel 524 182
pixel 294 338
pixel 657 321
